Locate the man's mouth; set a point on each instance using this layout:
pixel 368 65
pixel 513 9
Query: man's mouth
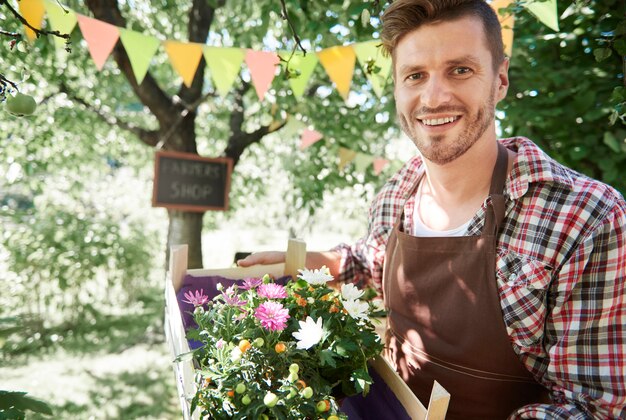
pixel 438 121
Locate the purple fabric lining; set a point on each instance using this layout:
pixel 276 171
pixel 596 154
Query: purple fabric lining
pixel 379 404
pixel 208 284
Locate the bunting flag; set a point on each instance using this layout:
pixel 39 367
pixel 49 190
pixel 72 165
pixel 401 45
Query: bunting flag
pixel 362 161
pixel 507 21
pixel 32 11
pixel 62 20
pixel 140 50
pixel 185 58
pixel 299 68
pixel 339 65
pixel 379 165
pixel 309 137
pixel 262 65
pixel 375 65
pixel 345 157
pixel 224 65
pixel 100 36
pixel 545 11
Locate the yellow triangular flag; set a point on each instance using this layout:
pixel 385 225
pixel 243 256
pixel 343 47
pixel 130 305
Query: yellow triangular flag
pixel 62 20
pixel 140 49
pixel 345 156
pixel 32 11
pixel 362 161
pixel 299 68
pixel 224 65
pixel 339 65
pixel 375 65
pixel 546 12
pixel 507 21
pixel 185 57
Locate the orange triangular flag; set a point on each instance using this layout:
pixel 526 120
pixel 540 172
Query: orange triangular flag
pixel 185 57
pixel 32 11
pixel 262 65
pixel 380 164
pixel 339 65
pixel 100 36
pixel 507 21
pixel 309 137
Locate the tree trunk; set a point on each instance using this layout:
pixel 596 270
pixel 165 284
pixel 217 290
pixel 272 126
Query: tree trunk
pixel 186 228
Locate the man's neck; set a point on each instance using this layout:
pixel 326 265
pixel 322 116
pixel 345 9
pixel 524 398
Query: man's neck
pixel 452 193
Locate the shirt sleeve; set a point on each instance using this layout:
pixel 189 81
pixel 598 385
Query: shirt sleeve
pixel 585 332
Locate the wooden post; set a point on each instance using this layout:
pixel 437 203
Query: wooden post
pixel 295 257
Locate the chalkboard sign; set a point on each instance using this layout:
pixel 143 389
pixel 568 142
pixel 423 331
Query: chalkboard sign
pixel 186 181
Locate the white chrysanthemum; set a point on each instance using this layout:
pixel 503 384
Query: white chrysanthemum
pixel 350 292
pixel 356 308
pixel 309 334
pixel 316 277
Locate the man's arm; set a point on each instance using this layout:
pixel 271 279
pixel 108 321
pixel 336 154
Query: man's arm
pixel 315 259
pixel 585 334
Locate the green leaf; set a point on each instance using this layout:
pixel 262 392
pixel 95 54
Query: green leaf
pixel 620 46
pixel 327 358
pixel 361 379
pixel 346 347
pixel 20 401
pixel 602 53
pixel 610 140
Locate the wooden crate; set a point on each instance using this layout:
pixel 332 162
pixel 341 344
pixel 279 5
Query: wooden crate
pixel 296 252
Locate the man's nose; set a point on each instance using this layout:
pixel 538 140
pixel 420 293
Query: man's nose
pixel 436 92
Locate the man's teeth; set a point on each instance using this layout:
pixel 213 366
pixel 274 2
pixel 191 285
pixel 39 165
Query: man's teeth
pixel 439 121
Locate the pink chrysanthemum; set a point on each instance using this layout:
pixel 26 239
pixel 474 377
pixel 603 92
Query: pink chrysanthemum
pixel 197 299
pixel 273 316
pixel 251 283
pixel 272 291
pixel 231 298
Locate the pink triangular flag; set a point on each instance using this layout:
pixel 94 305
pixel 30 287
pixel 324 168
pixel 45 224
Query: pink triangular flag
pixel 262 65
pixel 100 36
pixel 309 137
pixel 379 165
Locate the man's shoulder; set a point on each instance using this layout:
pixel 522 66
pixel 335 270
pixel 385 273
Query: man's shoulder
pixel 539 174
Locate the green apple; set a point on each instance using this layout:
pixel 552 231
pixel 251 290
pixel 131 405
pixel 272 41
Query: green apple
pixel 21 105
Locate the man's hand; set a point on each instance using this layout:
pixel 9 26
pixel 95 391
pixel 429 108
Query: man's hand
pixel 263 258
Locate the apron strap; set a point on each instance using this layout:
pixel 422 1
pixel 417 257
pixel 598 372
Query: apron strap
pixel 495 212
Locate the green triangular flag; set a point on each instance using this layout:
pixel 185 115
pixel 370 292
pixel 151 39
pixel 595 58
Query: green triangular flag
pixel 300 68
pixel 362 161
pixel 375 65
pixel 224 65
pixel 140 49
pixel 545 12
pixel 60 21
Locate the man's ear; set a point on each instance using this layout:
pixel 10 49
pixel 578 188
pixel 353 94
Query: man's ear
pixel 503 79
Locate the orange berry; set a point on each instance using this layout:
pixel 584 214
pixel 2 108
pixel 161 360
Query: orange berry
pixel 300 384
pixel 231 393
pixel 280 347
pixel 301 301
pixel 333 309
pixel 244 345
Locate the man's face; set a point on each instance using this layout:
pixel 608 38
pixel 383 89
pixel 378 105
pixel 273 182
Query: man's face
pixel 446 89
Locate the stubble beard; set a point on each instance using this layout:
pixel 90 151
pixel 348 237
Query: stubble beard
pixel 435 148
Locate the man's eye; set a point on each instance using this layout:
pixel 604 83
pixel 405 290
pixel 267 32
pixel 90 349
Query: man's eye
pixel 462 70
pixel 414 76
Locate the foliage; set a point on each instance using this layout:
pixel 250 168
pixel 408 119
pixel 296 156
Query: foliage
pixel 282 351
pixel 14 405
pixel 567 89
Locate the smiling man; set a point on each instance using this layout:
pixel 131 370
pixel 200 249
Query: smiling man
pixel 503 272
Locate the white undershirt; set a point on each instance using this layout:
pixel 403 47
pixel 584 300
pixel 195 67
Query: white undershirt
pixel 420 229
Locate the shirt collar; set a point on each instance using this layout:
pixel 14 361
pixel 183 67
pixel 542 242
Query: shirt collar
pixel 532 165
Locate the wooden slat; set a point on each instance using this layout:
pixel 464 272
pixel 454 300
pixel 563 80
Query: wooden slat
pixel 414 408
pixel 295 258
pixel 438 405
pixel 178 265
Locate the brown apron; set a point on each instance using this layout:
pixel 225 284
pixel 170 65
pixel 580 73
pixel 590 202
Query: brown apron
pixel 445 320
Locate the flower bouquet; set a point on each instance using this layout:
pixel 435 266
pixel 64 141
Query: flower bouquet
pixel 273 351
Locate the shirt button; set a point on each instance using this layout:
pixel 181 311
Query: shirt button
pixel 512 277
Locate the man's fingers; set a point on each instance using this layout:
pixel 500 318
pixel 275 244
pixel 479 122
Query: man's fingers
pixel 263 258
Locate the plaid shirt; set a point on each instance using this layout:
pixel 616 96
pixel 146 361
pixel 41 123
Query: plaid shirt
pixel 561 273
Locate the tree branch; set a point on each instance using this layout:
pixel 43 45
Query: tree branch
pixel 285 15
pixel 146 136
